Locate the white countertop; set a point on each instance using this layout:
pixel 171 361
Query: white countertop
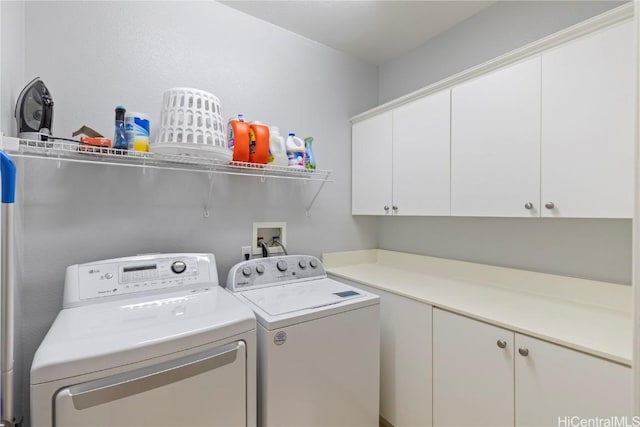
pixel 585 315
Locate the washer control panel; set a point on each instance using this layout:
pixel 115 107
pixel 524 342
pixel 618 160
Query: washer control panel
pixel 138 274
pixel 270 271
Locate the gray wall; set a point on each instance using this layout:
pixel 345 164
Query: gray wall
pixel 593 249
pixel 597 249
pixel 99 54
pixel 12 25
pixel 494 31
pixel 12 60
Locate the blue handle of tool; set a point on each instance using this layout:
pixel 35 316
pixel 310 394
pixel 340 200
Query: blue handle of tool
pixel 8 174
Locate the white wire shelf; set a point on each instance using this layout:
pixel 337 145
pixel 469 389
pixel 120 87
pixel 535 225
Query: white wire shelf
pixel 74 152
pixel 64 151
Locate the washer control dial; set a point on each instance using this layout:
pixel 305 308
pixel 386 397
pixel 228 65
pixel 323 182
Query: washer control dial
pixel 260 269
pixel 178 267
pixel 302 264
pixel 282 265
pixel 246 271
pixel 313 263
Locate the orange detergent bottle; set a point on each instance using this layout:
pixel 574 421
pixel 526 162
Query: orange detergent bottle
pixel 238 138
pixel 259 148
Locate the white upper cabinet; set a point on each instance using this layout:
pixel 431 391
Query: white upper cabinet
pixel 371 166
pixel 588 126
pixel 495 143
pixel 421 151
pixel 550 136
pixel 400 160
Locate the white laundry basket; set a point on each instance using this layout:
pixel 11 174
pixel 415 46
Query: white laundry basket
pixel 191 124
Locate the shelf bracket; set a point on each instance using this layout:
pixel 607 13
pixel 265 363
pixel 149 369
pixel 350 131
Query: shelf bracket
pixel 211 176
pixel 307 210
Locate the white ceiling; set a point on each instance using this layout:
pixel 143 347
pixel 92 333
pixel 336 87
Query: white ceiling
pixel 374 31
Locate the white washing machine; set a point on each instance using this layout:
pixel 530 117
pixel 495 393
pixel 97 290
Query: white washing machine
pixel 318 343
pixel 146 341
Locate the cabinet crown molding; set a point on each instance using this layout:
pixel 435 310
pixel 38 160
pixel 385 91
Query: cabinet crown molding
pixel 611 17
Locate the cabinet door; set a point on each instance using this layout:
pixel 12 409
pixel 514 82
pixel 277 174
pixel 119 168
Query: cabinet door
pixel 553 382
pixel 405 360
pixel 495 143
pixel 421 155
pixel 588 126
pixel 472 372
pixel 371 166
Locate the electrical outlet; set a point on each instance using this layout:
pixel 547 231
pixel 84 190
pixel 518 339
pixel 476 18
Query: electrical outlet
pixel 269 231
pixel 246 252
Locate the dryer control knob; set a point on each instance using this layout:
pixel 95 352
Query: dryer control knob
pixel 246 271
pixel 302 264
pixel 313 263
pixel 178 267
pixel 282 265
pixel 260 269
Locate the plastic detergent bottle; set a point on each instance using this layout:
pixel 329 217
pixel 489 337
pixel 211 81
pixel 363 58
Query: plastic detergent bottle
pixel 310 158
pixel 259 150
pixel 238 138
pixel 277 148
pixel 136 130
pixel 295 151
pixel 119 139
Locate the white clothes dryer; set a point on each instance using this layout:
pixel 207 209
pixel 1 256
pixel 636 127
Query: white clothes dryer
pixel 146 341
pixel 318 343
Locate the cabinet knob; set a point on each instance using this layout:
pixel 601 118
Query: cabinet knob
pixel 523 351
pixel 395 208
pixel 549 205
pixel 501 343
pixel 528 206
pixel 386 208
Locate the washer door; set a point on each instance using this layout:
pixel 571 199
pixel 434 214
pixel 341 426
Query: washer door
pixel 204 389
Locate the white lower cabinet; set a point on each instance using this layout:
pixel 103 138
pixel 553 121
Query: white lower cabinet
pixel 553 384
pixel 405 360
pixel 472 374
pixel 489 376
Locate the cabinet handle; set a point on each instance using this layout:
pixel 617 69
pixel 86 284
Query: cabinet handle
pixel 523 351
pixel 528 206
pixel 395 208
pixel 386 208
pixel 549 205
pixel 501 343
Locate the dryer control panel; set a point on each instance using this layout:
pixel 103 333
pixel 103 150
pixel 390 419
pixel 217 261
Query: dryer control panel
pixel 123 276
pixel 271 271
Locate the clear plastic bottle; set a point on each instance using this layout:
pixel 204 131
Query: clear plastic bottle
pixel 310 158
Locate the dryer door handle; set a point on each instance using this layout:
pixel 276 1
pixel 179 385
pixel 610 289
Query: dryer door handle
pixel 119 386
